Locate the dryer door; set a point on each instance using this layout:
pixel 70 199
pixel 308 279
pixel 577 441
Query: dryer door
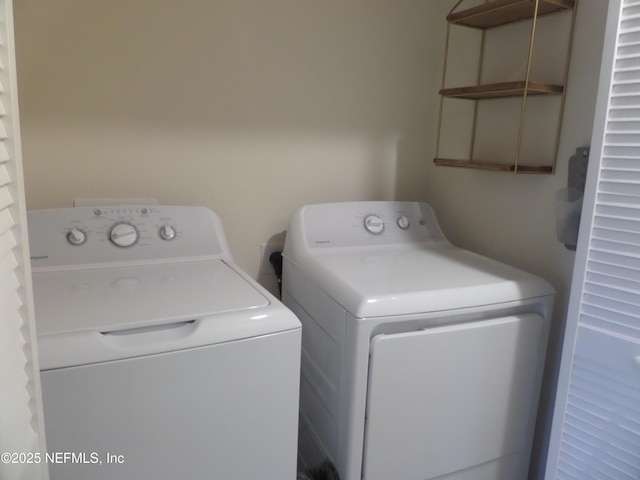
pixel 459 398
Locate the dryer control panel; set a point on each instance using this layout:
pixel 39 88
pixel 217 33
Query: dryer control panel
pixel 69 237
pixel 352 224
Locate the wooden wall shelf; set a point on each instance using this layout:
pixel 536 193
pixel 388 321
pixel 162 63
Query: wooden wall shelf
pixel 491 14
pixel 502 12
pixel 500 167
pixel 502 90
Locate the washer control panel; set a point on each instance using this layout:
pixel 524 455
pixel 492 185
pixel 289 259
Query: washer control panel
pixel 94 235
pixel 367 223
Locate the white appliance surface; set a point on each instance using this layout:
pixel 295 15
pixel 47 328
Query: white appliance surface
pixel 159 357
pixel 107 300
pixel 420 360
pixel 470 376
pixel 399 270
pixel 421 278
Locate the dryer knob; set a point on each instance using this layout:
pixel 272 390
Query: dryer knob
pixel 374 224
pixel 403 222
pixel 123 235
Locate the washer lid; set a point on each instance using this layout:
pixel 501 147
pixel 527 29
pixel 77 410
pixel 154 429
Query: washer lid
pixel 122 298
pixel 417 279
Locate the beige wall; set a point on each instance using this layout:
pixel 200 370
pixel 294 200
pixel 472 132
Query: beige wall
pixel 254 108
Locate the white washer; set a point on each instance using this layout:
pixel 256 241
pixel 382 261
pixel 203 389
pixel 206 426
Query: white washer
pixel 420 360
pixel 160 358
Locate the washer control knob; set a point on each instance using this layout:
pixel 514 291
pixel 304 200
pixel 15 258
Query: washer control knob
pixel 123 235
pixel 76 236
pixel 374 224
pixel 403 222
pixel 167 232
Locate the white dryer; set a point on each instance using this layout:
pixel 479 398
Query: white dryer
pixel 160 358
pixel 420 360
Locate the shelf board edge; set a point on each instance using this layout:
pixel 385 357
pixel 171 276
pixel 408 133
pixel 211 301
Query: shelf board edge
pixel 502 12
pixel 502 90
pixel 499 167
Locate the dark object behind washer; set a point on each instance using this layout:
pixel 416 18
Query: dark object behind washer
pixel 325 471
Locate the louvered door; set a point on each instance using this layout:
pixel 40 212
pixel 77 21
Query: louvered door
pixel 21 443
pixel 596 426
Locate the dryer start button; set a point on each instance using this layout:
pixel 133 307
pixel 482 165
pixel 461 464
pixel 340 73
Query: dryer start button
pixel 403 222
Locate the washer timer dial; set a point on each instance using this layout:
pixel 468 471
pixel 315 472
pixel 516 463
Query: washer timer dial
pixel 123 235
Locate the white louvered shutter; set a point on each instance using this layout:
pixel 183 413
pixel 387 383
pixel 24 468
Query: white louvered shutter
pixel 21 427
pixel 596 425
